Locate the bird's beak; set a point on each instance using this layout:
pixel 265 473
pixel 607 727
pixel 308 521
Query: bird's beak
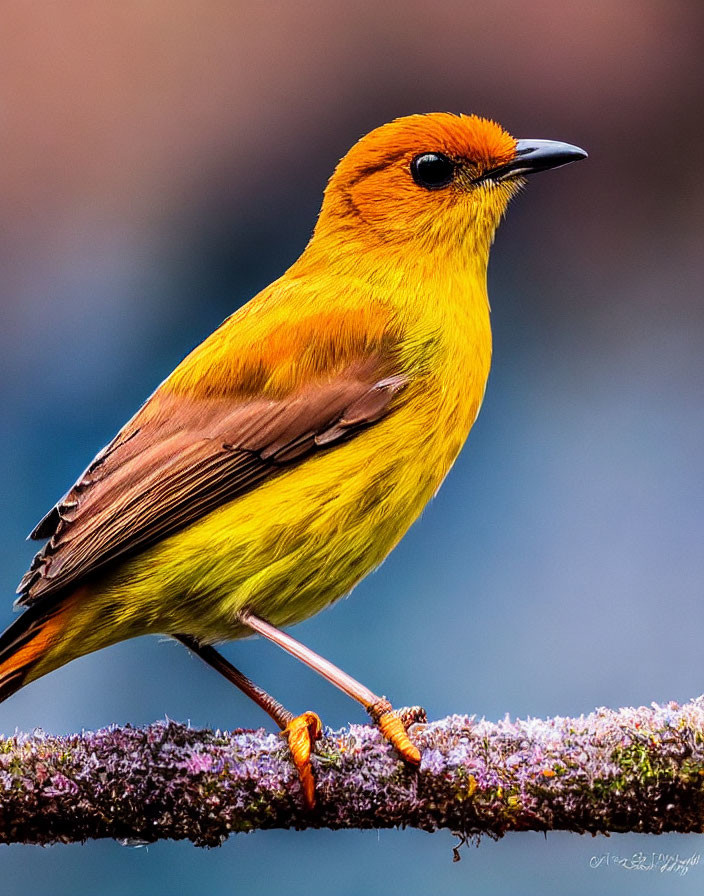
pixel 532 156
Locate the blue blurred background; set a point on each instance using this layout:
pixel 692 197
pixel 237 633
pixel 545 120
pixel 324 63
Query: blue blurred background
pixel 163 161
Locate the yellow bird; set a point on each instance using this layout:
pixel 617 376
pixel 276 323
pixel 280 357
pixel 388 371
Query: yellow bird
pixel 286 456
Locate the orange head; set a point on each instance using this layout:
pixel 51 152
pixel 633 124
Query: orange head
pixel 432 182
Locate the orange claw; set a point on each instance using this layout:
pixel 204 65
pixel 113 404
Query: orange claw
pixel 302 733
pixel 392 728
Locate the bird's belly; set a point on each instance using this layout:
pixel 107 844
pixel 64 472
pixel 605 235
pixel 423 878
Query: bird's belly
pixel 298 542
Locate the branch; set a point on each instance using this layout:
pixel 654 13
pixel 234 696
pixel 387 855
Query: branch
pixel 626 770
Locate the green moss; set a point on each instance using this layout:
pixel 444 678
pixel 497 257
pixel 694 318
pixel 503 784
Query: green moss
pixel 329 756
pixel 644 764
pixel 16 767
pixel 692 772
pixel 466 785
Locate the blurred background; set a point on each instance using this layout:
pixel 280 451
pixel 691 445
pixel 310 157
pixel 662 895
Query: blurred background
pixel 163 161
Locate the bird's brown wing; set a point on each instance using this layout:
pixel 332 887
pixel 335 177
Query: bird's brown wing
pixel 182 457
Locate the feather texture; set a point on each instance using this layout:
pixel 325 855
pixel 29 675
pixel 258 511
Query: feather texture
pixel 180 458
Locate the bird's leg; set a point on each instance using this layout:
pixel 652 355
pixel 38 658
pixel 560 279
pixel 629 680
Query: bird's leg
pixel 208 654
pixel 302 731
pixel 379 708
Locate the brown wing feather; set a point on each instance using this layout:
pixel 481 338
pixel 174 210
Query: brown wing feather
pixel 180 458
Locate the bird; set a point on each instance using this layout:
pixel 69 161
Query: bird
pixel 287 454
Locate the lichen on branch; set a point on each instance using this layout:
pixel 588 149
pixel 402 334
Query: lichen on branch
pixel 612 770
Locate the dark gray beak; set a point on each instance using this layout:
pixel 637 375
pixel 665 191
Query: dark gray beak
pixel 535 155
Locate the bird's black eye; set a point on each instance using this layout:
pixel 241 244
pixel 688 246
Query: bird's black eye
pixel 432 170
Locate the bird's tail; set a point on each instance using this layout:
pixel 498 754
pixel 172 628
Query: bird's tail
pixel 26 645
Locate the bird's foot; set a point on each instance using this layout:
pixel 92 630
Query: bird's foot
pixel 393 724
pixel 412 715
pixel 302 733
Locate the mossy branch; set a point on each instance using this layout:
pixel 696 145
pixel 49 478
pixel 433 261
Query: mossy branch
pixel 626 770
